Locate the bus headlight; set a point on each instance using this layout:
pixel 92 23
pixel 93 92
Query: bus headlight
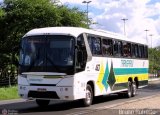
pixel 23 75
pixel 22 88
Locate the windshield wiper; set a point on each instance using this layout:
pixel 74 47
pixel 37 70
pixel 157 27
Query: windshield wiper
pixel 31 65
pixel 56 67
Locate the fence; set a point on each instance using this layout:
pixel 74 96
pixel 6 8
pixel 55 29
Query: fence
pixel 8 79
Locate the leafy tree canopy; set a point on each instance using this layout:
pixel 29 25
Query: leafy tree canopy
pixel 19 16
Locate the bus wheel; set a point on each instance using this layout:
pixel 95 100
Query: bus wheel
pixel 89 96
pixel 134 89
pixel 42 103
pixel 129 92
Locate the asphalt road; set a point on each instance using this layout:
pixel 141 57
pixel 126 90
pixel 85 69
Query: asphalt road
pixel 74 107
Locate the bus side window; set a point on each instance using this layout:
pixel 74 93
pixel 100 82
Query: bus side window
pixel 107 47
pixel 136 51
pixel 126 49
pixel 117 48
pixel 133 50
pixel 95 45
pixel 120 48
pixel 146 51
pixel 129 50
pixel 142 51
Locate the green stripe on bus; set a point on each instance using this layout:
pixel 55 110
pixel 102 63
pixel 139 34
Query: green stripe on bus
pixel 124 71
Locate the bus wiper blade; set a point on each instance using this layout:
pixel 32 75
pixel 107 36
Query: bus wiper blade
pixel 31 65
pixel 56 67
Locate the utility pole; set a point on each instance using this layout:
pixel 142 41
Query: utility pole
pixel 151 39
pixel 87 2
pixel 152 58
pixel 146 35
pixel 124 20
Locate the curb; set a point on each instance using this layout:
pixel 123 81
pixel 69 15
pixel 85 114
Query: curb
pixel 130 101
pixel 4 102
pixel 154 79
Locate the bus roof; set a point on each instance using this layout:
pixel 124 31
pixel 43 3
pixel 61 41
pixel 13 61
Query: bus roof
pixel 76 31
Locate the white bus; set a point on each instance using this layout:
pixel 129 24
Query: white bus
pixel 71 63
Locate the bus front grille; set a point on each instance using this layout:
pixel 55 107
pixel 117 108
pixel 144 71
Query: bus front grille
pixel 46 95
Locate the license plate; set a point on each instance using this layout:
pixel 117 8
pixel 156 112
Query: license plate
pixel 42 89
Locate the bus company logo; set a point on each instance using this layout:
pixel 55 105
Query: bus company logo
pixel 127 63
pixel 4 112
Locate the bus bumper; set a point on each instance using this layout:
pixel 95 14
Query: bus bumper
pixel 46 92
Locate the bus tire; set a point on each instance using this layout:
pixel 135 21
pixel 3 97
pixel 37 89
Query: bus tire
pixel 129 92
pixel 134 89
pixel 87 101
pixel 42 103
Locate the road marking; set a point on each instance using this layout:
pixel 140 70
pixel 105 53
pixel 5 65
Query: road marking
pixel 129 101
pixel 81 112
pixel 111 106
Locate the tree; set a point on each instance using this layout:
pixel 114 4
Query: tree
pixel 24 15
pixel 19 16
pixel 154 60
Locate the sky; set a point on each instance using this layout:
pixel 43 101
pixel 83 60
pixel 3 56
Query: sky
pixel 141 14
pixel 107 14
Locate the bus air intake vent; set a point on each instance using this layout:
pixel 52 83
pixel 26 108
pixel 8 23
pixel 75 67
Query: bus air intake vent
pixel 47 95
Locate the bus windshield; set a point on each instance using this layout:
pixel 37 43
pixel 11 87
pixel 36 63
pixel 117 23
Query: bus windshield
pixel 52 53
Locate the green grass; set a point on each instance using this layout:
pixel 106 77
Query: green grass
pixel 7 93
